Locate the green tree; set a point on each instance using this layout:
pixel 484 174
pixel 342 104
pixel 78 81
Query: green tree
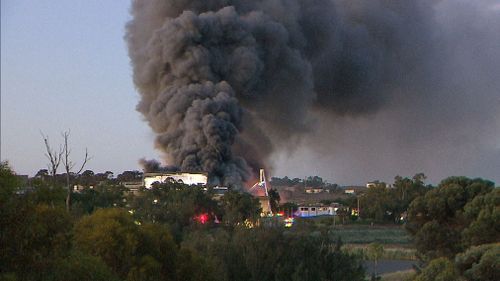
pixel 405 191
pixel 436 219
pixel 158 253
pixel 104 195
pixel 192 267
pixel 375 252
pixel 34 232
pixel 483 215
pixel 274 199
pixel 175 204
pixel 132 251
pixel 32 237
pixel 480 263
pixel 110 234
pixel 272 253
pixel 80 267
pixel 440 269
pixel 376 203
pixel 147 269
pixel 238 207
pixel 8 182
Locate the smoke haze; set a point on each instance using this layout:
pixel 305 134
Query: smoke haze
pixel 360 88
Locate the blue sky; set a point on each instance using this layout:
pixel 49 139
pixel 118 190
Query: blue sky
pixel 65 66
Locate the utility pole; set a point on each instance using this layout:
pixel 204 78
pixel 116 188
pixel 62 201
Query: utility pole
pixel 359 210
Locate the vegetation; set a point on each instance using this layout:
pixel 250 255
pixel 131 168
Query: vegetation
pixel 171 232
pixel 456 230
pixel 389 204
pixel 374 253
pixel 311 181
pixel 398 275
pixel 366 234
pixel 176 232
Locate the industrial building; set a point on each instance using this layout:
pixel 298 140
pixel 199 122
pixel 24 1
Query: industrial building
pixel 200 179
pixel 317 210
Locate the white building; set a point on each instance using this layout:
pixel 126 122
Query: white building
pixel 186 178
pixel 314 190
pixel 313 211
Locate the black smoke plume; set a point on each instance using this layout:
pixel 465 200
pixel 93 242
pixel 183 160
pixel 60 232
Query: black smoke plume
pixel 224 83
pixel 152 166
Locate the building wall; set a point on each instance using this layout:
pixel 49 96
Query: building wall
pixel 313 211
pixel 264 204
pixel 186 178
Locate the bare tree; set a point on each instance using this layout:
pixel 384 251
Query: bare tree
pixel 69 165
pixel 54 157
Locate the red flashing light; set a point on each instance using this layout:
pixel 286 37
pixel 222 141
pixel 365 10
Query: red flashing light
pixel 202 218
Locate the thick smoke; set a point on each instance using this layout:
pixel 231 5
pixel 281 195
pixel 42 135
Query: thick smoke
pixel 224 84
pixel 151 166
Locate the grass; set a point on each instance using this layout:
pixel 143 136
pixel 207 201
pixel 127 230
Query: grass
pixel 366 234
pixel 398 275
pixel 356 237
pixel 391 252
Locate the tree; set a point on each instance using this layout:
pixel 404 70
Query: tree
pixel 110 234
pixel 104 195
pixel 81 267
pixel 376 203
pixel 405 191
pixel 436 219
pixel 375 252
pixel 129 176
pixel 32 237
pixel 54 157
pixel 483 215
pixel 440 269
pixel 447 220
pixel 239 207
pixel 192 267
pixel 69 165
pixel 8 182
pixel 480 263
pixel 314 181
pixel 274 200
pixel 175 204
pixel 42 173
pixel 133 252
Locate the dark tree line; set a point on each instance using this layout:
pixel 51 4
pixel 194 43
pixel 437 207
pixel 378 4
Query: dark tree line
pixel 176 232
pixel 157 234
pixel 384 203
pixel 310 181
pixel 456 230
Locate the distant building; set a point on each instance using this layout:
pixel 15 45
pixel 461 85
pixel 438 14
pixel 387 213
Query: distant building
pixel 353 189
pixel 219 191
pixel 132 186
pixel 377 183
pixel 314 190
pixel 23 181
pixel 200 179
pixel 260 190
pixel 78 188
pixel 316 210
pixel 265 205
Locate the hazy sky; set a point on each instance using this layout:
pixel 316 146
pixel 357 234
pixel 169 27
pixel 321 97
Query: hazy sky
pixel 64 65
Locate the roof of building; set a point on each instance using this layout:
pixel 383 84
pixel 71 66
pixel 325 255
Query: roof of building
pixel 174 173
